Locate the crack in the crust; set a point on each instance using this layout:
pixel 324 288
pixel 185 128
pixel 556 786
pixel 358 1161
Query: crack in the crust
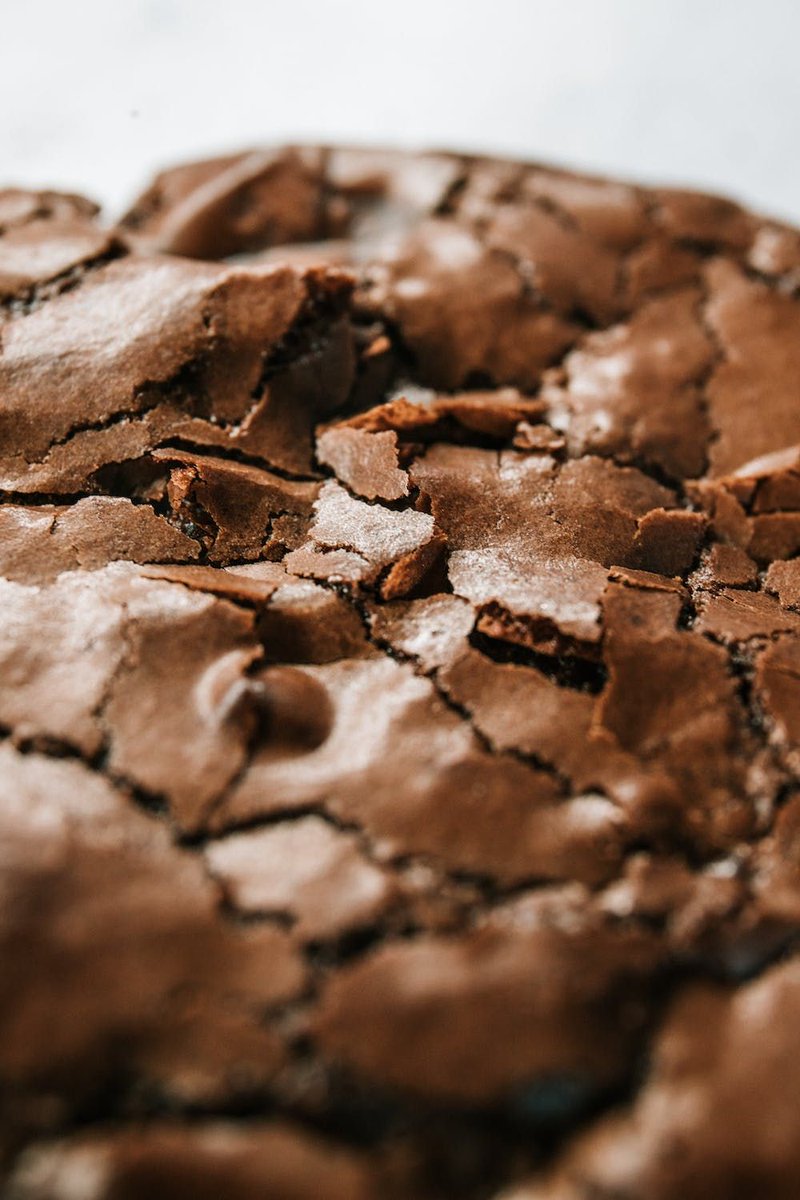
pixel 649 210
pixel 405 368
pixel 67 500
pixel 26 301
pixel 323 1099
pixel 719 357
pixel 50 746
pixel 201 838
pixel 461 710
pixel 741 667
pixel 488 884
pixel 579 674
pixel 740 663
pixel 300 344
pixel 525 270
pixel 448 205
pixel 56 747
pixel 158 393
pixel 403 359
pixel 399 862
pixel 234 454
pixel 553 208
pixel 550 206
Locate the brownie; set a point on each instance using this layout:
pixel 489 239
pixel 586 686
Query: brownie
pixel 400 687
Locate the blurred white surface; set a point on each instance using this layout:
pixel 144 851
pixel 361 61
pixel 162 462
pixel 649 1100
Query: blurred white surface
pixel 96 94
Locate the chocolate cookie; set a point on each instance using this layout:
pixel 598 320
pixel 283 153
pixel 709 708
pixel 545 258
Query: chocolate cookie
pixel 399 687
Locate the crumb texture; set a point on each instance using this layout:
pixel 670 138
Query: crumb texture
pixel 399 687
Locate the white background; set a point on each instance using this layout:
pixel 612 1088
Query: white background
pixel 95 94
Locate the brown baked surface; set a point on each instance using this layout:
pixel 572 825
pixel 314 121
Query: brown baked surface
pixel 400 688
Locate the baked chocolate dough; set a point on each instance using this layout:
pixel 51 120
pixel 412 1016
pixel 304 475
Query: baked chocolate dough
pixel 400 687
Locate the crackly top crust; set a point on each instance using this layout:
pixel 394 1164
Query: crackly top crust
pixel 399 682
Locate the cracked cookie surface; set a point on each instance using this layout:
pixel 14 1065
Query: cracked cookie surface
pixel 399 687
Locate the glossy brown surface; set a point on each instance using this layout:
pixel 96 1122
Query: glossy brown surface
pixel 399 687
